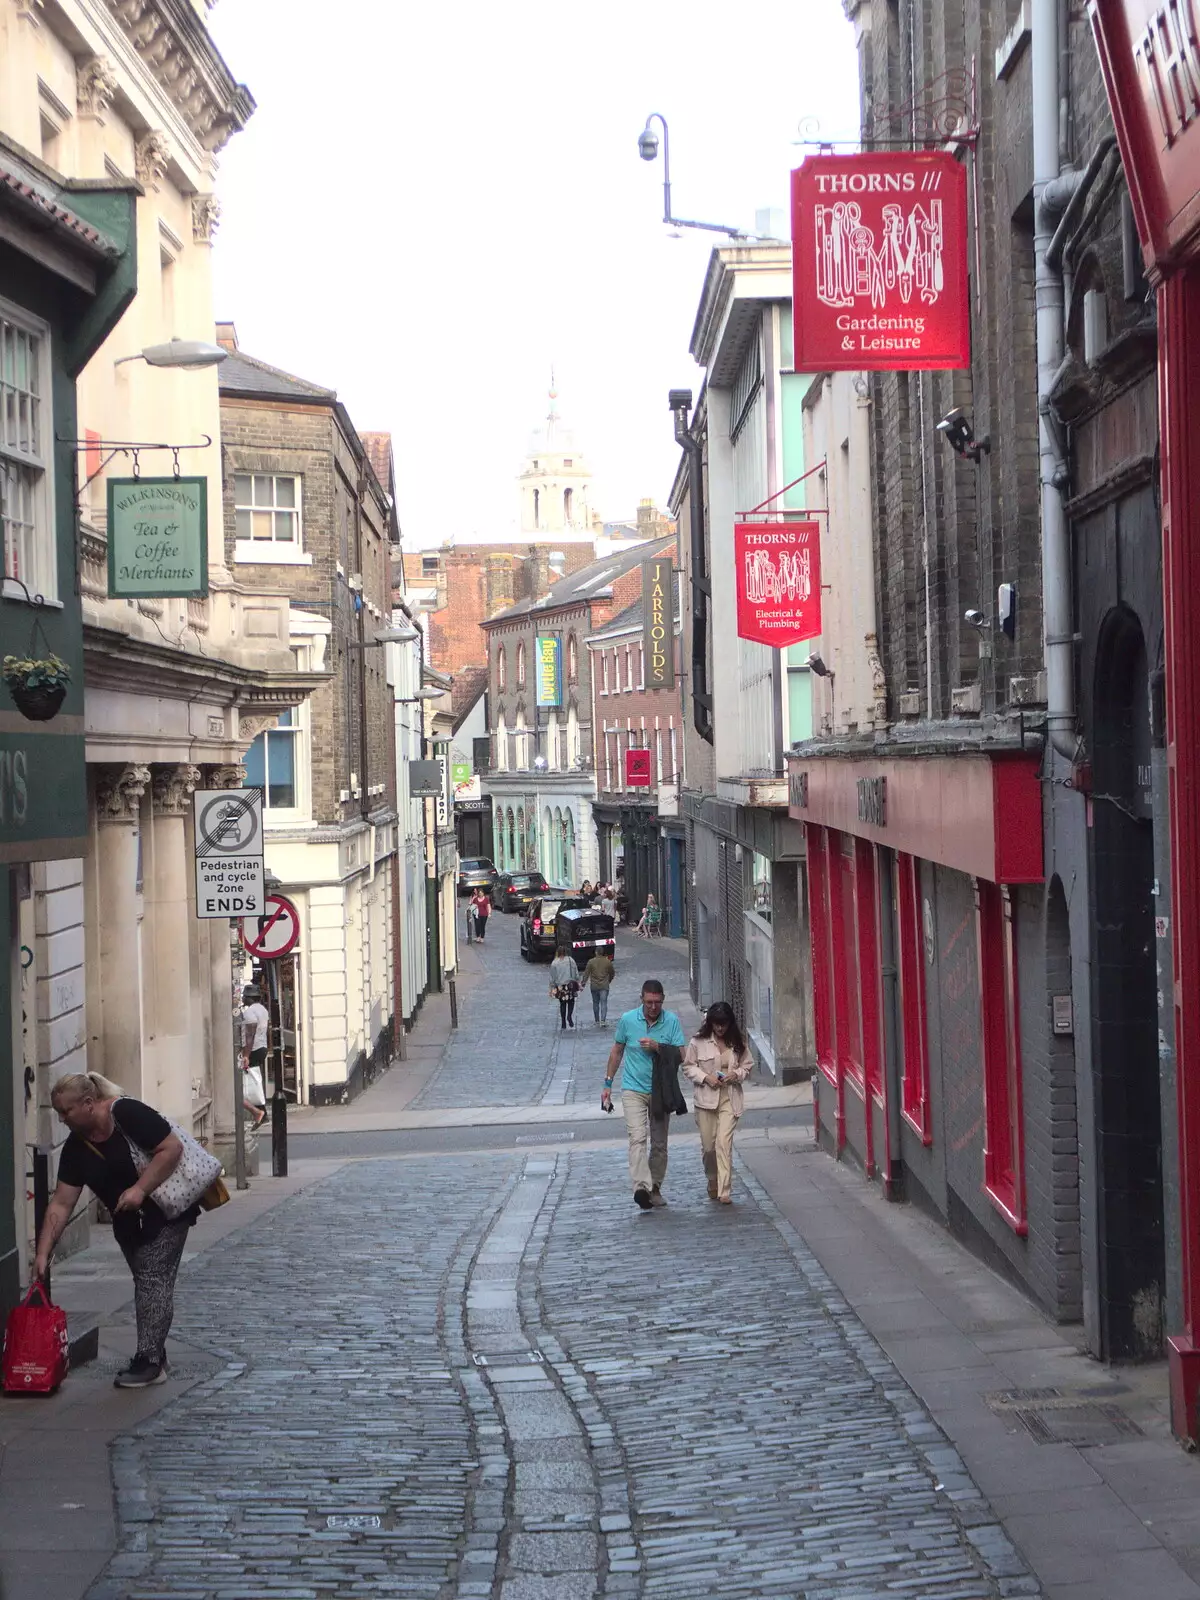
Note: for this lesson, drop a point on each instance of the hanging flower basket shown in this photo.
(38, 685)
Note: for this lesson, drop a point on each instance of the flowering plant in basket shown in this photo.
(38, 684)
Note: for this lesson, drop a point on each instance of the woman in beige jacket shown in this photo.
(718, 1063)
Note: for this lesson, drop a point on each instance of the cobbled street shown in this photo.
(489, 1375)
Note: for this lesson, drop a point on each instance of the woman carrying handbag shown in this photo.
(564, 985)
(153, 1178)
(718, 1063)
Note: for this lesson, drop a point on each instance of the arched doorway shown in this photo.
(1125, 1064)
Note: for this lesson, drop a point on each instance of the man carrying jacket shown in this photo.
(645, 1038)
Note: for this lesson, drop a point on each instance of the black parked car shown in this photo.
(476, 872)
(539, 933)
(586, 931)
(514, 890)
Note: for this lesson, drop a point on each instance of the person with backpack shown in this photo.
(109, 1131)
(564, 985)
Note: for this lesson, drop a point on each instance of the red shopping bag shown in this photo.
(35, 1345)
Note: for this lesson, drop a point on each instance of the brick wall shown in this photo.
(476, 581)
(509, 698)
(630, 717)
(344, 529)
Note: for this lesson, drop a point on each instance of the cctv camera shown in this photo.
(975, 618)
(817, 665)
(647, 144)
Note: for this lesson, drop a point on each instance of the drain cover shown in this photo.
(1053, 1416)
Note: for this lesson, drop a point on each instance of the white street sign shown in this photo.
(229, 852)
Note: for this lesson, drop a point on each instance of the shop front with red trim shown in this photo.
(1150, 57)
(927, 920)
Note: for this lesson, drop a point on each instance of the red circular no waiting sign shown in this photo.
(277, 930)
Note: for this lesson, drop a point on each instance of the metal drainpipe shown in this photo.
(701, 587)
(1052, 191)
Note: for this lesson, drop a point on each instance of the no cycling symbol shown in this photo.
(228, 825)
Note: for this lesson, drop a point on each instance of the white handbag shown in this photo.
(197, 1171)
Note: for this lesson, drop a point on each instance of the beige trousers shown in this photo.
(647, 1141)
(716, 1144)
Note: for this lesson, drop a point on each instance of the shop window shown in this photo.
(1004, 1153)
(845, 955)
(26, 449)
(821, 936)
(915, 1095)
(867, 998)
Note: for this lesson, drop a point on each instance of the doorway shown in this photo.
(1128, 1129)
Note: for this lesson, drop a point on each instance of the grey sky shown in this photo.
(435, 203)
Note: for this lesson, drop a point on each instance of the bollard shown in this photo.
(453, 1004)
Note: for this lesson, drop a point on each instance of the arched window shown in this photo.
(572, 660)
(537, 506)
(568, 495)
(604, 672)
(501, 668)
(501, 744)
(521, 664)
(512, 842)
(520, 858)
(572, 737)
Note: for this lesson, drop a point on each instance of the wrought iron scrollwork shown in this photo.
(943, 111)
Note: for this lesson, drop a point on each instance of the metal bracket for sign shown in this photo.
(945, 112)
(791, 511)
(128, 447)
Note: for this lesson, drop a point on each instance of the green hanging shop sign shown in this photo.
(157, 538)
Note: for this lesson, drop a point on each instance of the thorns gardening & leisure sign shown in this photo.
(879, 262)
(157, 538)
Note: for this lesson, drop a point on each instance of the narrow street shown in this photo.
(487, 1374)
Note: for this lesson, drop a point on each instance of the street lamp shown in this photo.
(189, 354)
(648, 150)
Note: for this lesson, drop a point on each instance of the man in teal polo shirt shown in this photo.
(639, 1034)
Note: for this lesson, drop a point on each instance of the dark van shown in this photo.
(586, 932)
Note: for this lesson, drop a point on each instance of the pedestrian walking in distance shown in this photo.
(481, 905)
(564, 985)
(105, 1124)
(598, 976)
(647, 1049)
(718, 1063)
(255, 1020)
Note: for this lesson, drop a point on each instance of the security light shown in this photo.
(958, 433)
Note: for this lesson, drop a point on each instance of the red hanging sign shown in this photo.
(637, 769)
(778, 581)
(879, 263)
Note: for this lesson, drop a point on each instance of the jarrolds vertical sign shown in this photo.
(1150, 54)
(879, 263)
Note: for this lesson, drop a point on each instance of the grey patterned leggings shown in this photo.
(154, 1266)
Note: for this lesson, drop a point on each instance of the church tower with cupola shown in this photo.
(555, 484)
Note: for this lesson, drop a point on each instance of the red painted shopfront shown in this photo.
(1150, 55)
(870, 826)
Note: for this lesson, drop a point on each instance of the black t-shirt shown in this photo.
(106, 1167)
